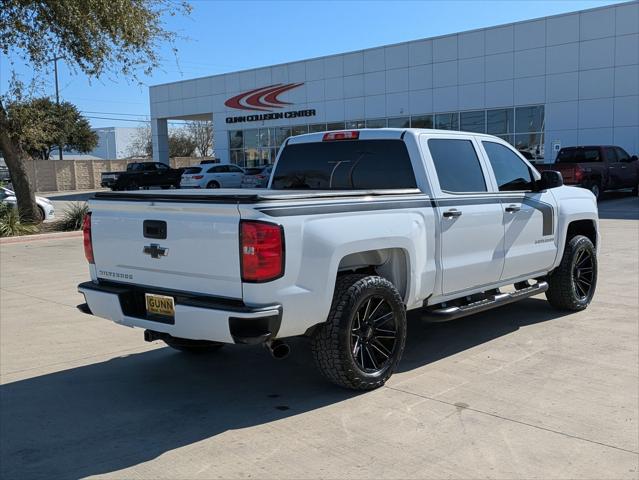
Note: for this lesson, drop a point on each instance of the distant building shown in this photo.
(113, 143)
(541, 84)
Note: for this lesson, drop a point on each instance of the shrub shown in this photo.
(72, 217)
(10, 224)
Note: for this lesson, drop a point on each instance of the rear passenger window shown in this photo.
(511, 172)
(610, 155)
(457, 165)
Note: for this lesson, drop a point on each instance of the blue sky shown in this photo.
(225, 36)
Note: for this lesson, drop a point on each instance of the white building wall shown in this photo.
(583, 66)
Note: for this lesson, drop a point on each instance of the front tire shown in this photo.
(572, 284)
(193, 346)
(363, 339)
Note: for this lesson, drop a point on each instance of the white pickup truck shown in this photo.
(354, 229)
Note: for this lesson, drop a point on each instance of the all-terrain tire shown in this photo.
(331, 341)
(563, 292)
(193, 346)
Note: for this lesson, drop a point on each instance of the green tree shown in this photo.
(96, 37)
(39, 124)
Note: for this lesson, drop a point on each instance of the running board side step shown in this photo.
(451, 313)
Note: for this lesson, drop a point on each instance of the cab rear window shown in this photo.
(345, 165)
(579, 155)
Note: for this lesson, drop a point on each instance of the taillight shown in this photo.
(348, 135)
(579, 174)
(197, 177)
(86, 234)
(261, 251)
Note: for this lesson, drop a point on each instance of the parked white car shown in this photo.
(47, 211)
(355, 228)
(212, 176)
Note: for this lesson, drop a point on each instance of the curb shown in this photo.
(40, 236)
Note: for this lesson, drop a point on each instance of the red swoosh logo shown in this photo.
(261, 99)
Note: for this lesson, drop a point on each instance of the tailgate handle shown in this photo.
(155, 229)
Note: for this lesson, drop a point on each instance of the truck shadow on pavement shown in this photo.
(111, 415)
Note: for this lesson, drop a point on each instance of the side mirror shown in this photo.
(550, 179)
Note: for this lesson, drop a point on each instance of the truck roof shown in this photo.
(381, 133)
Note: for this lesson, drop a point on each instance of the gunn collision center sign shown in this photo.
(265, 100)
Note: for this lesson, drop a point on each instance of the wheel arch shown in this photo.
(393, 264)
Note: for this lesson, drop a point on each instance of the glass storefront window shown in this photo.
(267, 137)
(473, 121)
(531, 145)
(499, 121)
(522, 127)
(317, 127)
(282, 133)
(235, 139)
(355, 124)
(421, 121)
(529, 119)
(237, 157)
(299, 130)
(251, 138)
(509, 138)
(399, 122)
(252, 157)
(376, 123)
(335, 126)
(447, 121)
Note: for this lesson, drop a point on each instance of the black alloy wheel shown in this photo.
(373, 335)
(571, 286)
(583, 273)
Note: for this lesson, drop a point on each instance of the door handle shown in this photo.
(513, 208)
(452, 213)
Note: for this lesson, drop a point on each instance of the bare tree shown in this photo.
(141, 144)
(202, 134)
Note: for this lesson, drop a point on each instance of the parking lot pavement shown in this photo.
(520, 392)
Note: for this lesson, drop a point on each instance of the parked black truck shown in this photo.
(142, 175)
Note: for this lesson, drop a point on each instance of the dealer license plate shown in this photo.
(159, 305)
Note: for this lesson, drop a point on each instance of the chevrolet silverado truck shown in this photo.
(598, 168)
(142, 175)
(355, 229)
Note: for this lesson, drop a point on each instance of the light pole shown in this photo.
(57, 99)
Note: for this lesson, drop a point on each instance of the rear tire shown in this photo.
(572, 284)
(132, 186)
(213, 184)
(595, 189)
(193, 346)
(363, 339)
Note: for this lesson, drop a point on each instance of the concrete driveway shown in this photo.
(520, 392)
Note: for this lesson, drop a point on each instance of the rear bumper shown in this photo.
(197, 317)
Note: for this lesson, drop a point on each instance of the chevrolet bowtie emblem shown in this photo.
(155, 250)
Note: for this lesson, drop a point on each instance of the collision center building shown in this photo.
(564, 80)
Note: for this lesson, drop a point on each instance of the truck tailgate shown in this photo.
(198, 253)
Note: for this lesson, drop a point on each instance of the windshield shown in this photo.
(345, 165)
